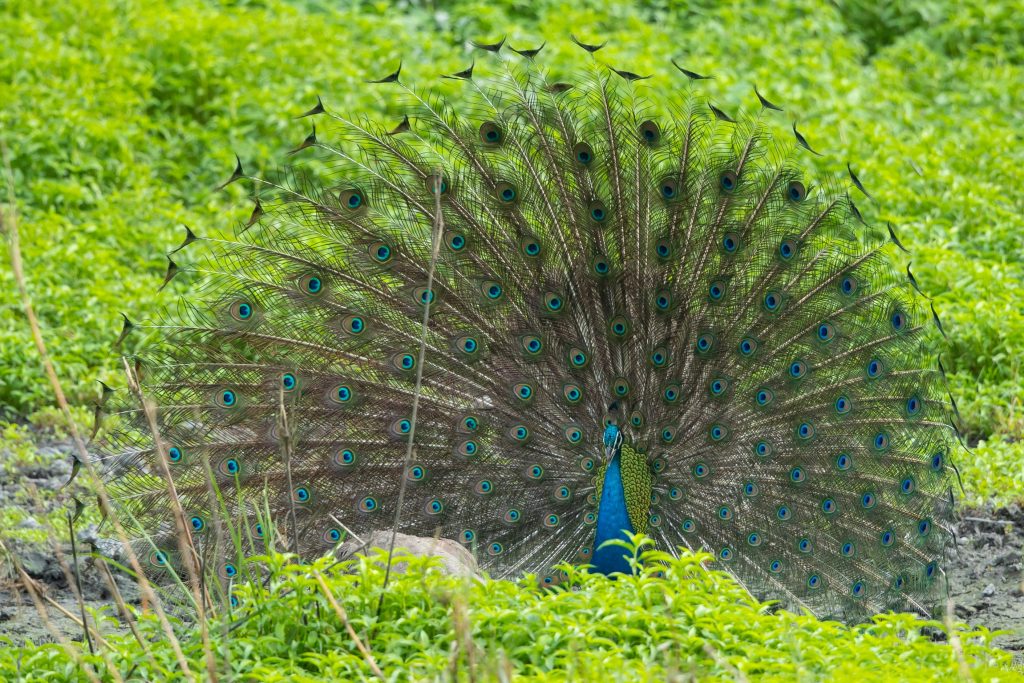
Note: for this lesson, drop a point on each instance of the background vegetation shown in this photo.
(122, 116)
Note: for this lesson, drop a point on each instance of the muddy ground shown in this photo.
(985, 574)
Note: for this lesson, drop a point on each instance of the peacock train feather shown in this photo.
(640, 315)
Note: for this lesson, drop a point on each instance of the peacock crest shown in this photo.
(486, 276)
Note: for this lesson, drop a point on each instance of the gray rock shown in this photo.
(455, 559)
(989, 591)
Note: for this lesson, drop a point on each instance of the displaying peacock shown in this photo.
(545, 313)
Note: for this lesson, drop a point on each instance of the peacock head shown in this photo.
(612, 441)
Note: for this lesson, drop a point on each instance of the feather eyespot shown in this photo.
(669, 188)
(197, 523)
(455, 241)
(353, 325)
(587, 464)
(843, 405)
(352, 199)
(748, 346)
(797, 369)
(531, 344)
(754, 539)
(913, 406)
(535, 472)
(484, 487)
(469, 424)
(762, 449)
(226, 398)
(619, 327)
(844, 462)
(772, 302)
(671, 393)
(573, 393)
(506, 193)
(301, 494)
(434, 506)
(898, 321)
(467, 345)
(848, 285)
(403, 362)
(907, 486)
(311, 284)
(597, 211)
(663, 249)
(663, 300)
(573, 434)
(492, 290)
(578, 358)
(718, 386)
(553, 302)
(788, 248)
(668, 434)
(288, 382)
(874, 368)
(242, 311)
(435, 182)
(650, 133)
(728, 181)
(520, 433)
(701, 470)
(731, 242)
(659, 357)
(637, 419)
(583, 154)
(523, 391)
(764, 396)
(495, 549)
(797, 476)
(332, 535)
(848, 549)
(175, 454)
(689, 526)
(229, 467)
(423, 296)
(795, 191)
(805, 431)
(491, 133)
(416, 473)
(717, 290)
(705, 343)
(826, 332)
(750, 489)
(551, 521)
(468, 448)
(512, 516)
(530, 246)
(600, 266)
(342, 394)
(346, 457)
(620, 386)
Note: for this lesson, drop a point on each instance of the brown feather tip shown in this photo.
(586, 46)
(172, 270)
(629, 75)
(490, 47)
(765, 104)
(692, 75)
(126, 327)
(310, 141)
(802, 141)
(401, 127)
(464, 75)
(720, 115)
(391, 77)
(529, 54)
(190, 237)
(318, 109)
(255, 216)
(238, 173)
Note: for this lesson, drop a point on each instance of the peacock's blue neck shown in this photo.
(612, 522)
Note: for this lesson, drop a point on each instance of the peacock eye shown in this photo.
(352, 199)
(728, 180)
(583, 154)
(598, 212)
(491, 133)
(795, 191)
(436, 183)
(506, 193)
(650, 133)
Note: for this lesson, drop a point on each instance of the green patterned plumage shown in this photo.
(571, 244)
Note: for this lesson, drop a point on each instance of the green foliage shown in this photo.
(120, 117)
(693, 624)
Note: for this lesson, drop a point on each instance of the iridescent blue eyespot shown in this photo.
(523, 391)
(923, 527)
(343, 394)
(805, 431)
(314, 285)
(288, 381)
(332, 535)
(689, 525)
(717, 432)
(784, 513)
(553, 302)
(828, 506)
(662, 249)
(572, 393)
(913, 406)
(435, 506)
(881, 441)
(662, 300)
(754, 539)
(718, 386)
(346, 457)
(197, 523)
(874, 368)
(416, 473)
(598, 213)
(848, 549)
(787, 249)
(826, 332)
(797, 475)
(512, 516)
(797, 369)
(668, 434)
(844, 462)
(229, 570)
(551, 521)
(724, 513)
(601, 266)
(700, 470)
(775, 567)
(174, 454)
(887, 538)
(158, 558)
(936, 463)
(858, 589)
(750, 489)
(728, 181)
(843, 405)
(484, 487)
(404, 426)
(468, 536)
(867, 501)
(243, 311)
(227, 398)
(456, 242)
(813, 581)
(898, 582)
(507, 194)
(301, 494)
(535, 472)
(470, 424)
(725, 554)
(671, 393)
(730, 243)
(717, 290)
(573, 435)
(493, 291)
(848, 286)
(495, 548)
(659, 357)
(898, 320)
(748, 346)
(705, 343)
(229, 467)
(930, 570)
(772, 301)
(762, 449)
(382, 253)
(804, 545)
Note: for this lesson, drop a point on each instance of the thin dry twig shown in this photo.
(343, 615)
(9, 224)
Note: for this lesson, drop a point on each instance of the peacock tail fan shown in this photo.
(613, 240)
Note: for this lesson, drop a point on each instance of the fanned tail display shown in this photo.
(640, 315)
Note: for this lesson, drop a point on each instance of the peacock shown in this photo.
(538, 315)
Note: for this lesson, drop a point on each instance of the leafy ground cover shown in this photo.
(696, 624)
(120, 117)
